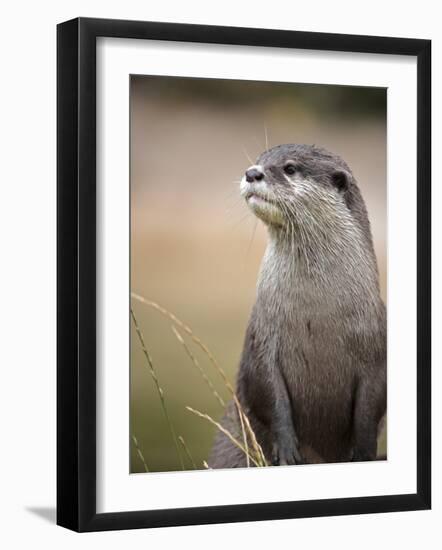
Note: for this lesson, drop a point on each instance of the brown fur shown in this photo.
(312, 376)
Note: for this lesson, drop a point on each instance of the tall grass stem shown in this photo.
(214, 362)
(224, 431)
(140, 454)
(198, 366)
(187, 451)
(158, 387)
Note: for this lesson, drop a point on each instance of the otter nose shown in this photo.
(253, 174)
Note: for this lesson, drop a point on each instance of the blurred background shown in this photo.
(195, 247)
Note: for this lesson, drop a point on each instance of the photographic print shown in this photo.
(223, 252)
(258, 274)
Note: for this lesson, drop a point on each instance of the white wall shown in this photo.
(27, 288)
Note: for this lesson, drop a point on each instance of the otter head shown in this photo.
(302, 187)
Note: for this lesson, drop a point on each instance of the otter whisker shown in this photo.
(247, 155)
(251, 239)
(266, 137)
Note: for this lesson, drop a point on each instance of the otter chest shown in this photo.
(303, 328)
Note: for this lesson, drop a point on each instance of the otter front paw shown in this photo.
(286, 453)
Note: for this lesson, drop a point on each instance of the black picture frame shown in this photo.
(76, 273)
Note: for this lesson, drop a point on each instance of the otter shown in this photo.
(312, 374)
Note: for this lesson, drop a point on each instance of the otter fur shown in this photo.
(312, 375)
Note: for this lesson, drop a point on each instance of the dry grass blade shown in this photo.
(189, 331)
(198, 366)
(157, 384)
(186, 450)
(244, 437)
(224, 431)
(256, 445)
(214, 362)
(140, 454)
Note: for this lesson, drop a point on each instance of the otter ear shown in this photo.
(341, 180)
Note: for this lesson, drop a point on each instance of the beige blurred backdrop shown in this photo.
(195, 248)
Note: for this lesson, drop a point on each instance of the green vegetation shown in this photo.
(248, 444)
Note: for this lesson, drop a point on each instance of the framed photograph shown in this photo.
(243, 274)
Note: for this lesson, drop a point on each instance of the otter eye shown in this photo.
(290, 169)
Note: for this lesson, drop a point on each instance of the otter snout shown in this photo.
(254, 174)
(259, 197)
